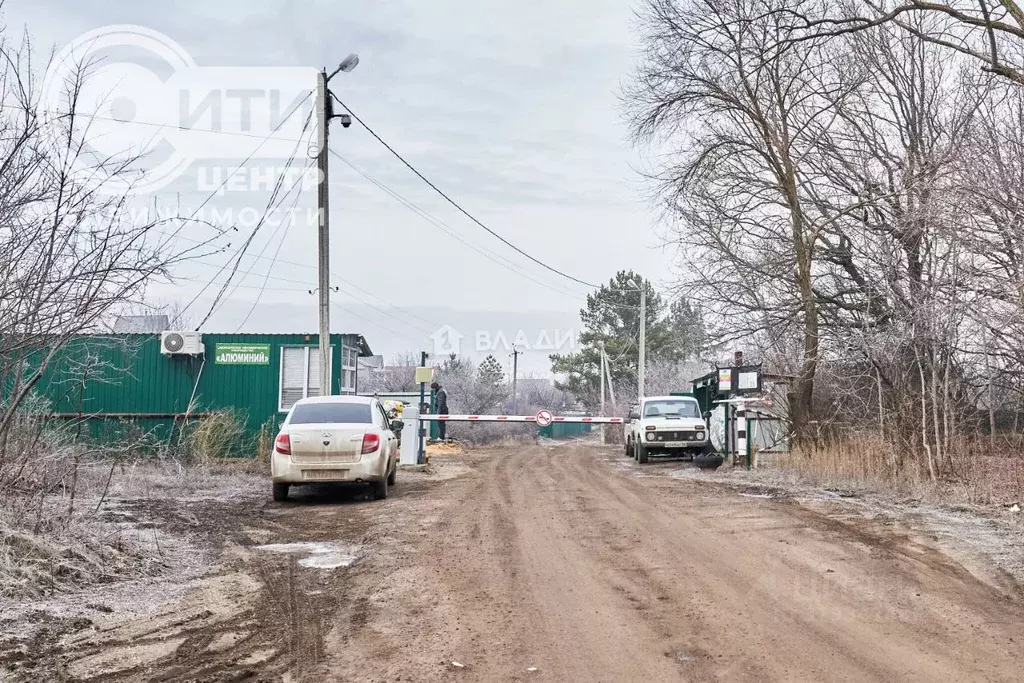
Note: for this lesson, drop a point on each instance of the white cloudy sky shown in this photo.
(511, 107)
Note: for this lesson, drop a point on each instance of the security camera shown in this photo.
(346, 120)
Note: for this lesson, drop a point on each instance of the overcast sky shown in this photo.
(510, 107)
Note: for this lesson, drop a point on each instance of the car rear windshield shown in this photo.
(323, 413)
(671, 409)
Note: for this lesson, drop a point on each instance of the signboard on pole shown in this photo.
(724, 379)
(424, 375)
(241, 354)
(748, 380)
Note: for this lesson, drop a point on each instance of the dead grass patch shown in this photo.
(968, 473)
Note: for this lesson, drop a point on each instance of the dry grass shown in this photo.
(55, 495)
(58, 552)
(967, 474)
(216, 437)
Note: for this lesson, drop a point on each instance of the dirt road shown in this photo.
(564, 563)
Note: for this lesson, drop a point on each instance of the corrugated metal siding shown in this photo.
(128, 374)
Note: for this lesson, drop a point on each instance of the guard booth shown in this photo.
(749, 410)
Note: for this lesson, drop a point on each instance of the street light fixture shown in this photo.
(347, 64)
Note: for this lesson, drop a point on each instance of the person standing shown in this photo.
(441, 403)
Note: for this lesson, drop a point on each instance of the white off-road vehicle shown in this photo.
(667, 425)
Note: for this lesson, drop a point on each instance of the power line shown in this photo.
(154, 124)
(228, 178)
(448, 230)
(277, 252)
(376, 324)
(245, 245)
(453, 202)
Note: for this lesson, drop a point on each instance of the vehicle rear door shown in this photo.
(327, 432)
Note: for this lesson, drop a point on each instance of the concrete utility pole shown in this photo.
(611, 386)
(642, 361)
(323, 246)
(515, 376)
(423, 409)
(324, 114)
(602, 378)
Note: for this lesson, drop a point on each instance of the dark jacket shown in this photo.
(441, 401)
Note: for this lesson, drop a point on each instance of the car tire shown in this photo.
(393, 477)
(380, 489)
(280, 492)
(629, 447)
(641, 454)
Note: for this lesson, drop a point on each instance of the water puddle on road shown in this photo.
(319, 555)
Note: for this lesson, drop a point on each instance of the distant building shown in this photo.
(141, 324)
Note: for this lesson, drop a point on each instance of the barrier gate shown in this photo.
(543, 418)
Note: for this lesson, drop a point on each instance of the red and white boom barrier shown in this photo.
(543, 418)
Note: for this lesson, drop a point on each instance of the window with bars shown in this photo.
(300, 374)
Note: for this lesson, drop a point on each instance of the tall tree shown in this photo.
(612, 317)
(742, 113)
(490, 373)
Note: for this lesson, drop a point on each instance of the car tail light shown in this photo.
(283, 445)
(371, 442)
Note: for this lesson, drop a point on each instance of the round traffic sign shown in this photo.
(543, 418)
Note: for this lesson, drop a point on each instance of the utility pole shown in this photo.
(423, 409)
(642, 361)
(323, 242)
(324, 114)
(602, 378)
(611, 386)
(515, 376)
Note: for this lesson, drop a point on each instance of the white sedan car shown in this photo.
(336, 439)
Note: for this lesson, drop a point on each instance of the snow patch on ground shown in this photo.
(319, 555)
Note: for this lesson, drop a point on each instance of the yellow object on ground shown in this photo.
(446, 448)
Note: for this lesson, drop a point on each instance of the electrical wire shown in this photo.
(277, 252)
(228, 178)
(447, 229)
(374, 323)
(456, 204)
(306, 283)
(245, 245)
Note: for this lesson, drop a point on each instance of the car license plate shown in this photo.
(324, 474)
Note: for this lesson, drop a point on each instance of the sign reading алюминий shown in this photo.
(242, 354)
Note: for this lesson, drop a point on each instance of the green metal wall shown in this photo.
(127, 374)
(564, 430)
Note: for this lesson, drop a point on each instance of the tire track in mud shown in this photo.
(575, 563)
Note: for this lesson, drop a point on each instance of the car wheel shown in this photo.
(380, 489)
(393, 477)
(629, 447)
(641, 454)
(280, 492)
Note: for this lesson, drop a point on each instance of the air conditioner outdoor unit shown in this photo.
(181, 343)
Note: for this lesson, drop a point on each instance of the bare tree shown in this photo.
(990, 32)
(744, 118)
(70, 254)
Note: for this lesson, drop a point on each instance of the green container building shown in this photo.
(112, 385)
